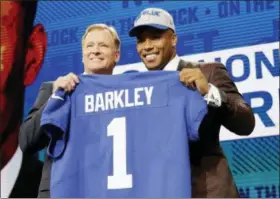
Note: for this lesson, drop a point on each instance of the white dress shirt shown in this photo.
(10, 173)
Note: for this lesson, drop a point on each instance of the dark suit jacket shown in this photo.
(211, 176)
(26, 185)
(32, 139)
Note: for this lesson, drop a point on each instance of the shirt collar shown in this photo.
(173, 64)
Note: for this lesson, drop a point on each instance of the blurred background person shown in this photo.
(23, 48)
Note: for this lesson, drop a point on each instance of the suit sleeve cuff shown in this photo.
(213, 97)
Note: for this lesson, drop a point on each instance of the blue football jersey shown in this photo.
(123, 136)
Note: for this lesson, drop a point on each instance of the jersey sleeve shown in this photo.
(196, 109)
(55, 120)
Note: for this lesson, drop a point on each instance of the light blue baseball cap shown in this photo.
(153, 17)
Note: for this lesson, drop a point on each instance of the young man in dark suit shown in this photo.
(101, 52)
(154, 30)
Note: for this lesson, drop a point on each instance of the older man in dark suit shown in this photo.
(154, 30)
(97, 59)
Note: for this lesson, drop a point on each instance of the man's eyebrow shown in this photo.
(89, 42)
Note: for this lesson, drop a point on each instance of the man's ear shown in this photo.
(117, 56)
(174, 40)
(35, 53)
(83, 57)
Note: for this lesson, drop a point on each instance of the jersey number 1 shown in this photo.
(120, 179)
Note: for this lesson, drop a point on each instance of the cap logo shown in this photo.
(151, 12)
(145, 15)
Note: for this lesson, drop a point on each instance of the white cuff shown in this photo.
(213, 97)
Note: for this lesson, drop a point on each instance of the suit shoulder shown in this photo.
(211, 65)
(47, 85)
(192, 64)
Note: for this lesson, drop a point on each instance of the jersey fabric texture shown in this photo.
(123, 136)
